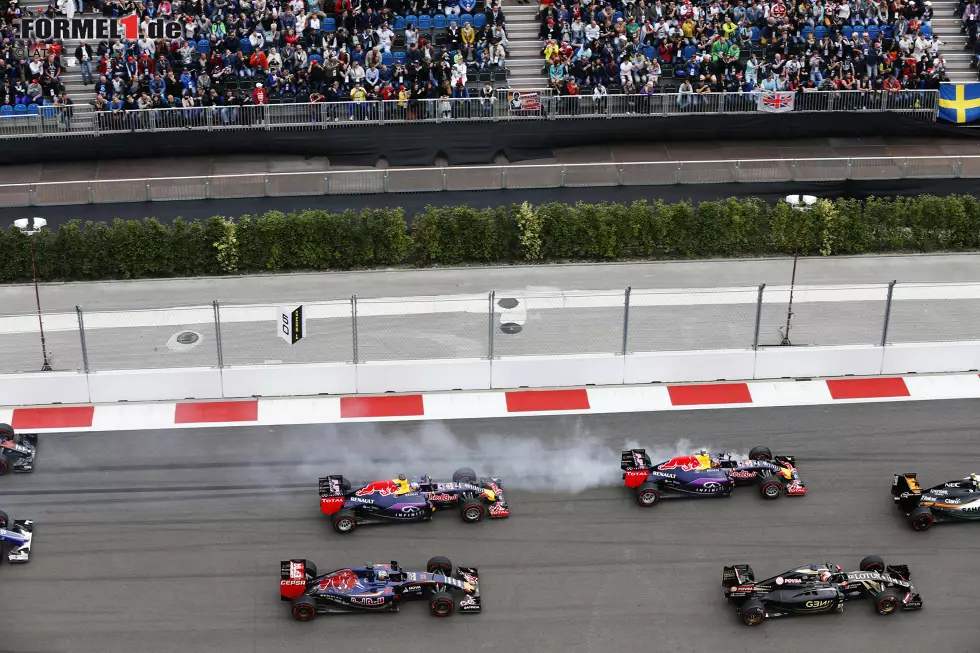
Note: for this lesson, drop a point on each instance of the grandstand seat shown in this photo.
(820, 32)
(441, 39)
(6, 111)
(873, 32)
(288, 98)
(617, 16)
(328, 25)
(466, 19)
(399, 23)
(425, 21)
(479, 20)
(203, 47)
(439, 22)
(247, 84)
(274, 100)
(387, 59)
(887, 32)
(49, 110)
(400, 57)
(484, 76)
(688, 52)
(858, 29)
(847, 31)
(33, 110)
(500, 76)
(20, 110)
(756, 34)
(666, 72)
(680, 72)
(453, 19)
(232, 85)
(412, 20)
(245, 45)
(926, 30)
(806, 31)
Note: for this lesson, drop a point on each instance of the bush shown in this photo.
(320, 240)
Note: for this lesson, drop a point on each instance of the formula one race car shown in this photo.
(18, 533)
(17, 450)
(710, 475)
(378, 588)
(410, 498)
(953, 500)
(819, 588)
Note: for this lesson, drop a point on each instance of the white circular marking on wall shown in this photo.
(184, 341)
(513, 314)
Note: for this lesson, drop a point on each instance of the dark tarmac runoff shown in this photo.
(170, 541)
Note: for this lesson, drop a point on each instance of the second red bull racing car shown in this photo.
(710, 475)
(411, 499)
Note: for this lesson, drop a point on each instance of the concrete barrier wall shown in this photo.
(479, 374)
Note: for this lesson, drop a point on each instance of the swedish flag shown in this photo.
(959, 102)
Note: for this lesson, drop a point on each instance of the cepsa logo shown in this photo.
(98, 29)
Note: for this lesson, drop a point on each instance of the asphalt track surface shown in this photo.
(171, 541)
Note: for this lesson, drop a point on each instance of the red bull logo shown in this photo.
(685, 463)
(384, 488)
(341, 581)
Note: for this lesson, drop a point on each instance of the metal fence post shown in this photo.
(353, 317)
(81, 336)
(758, 317)
(217, 334)
(888, 312)
(492, 298)
(31, 195)
(626, 317)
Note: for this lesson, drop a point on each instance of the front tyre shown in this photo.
(753, 613)
(921, 518)
(647, 495)
(887, 602)
(441, 604)
(304, 609)
(760, 453)
(344, 522)
(464, 475)
(4, 464)
(771, 489)
(439, 565)
(4, 520)
(873, 563)
(472, 511)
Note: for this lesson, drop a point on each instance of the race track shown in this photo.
(161, 541)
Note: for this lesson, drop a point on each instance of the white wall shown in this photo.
(289, 380)
(679, 366)
(153, 385)
(556, 371)
(809, 362)
(378, 377)
(43, 388)
(931, 357)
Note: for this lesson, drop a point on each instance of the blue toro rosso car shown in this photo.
(378, 588)
(18, 534)
(410, 499)
(709, 475)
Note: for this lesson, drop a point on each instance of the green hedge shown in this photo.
(318, 240)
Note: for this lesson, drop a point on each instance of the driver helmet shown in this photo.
(381, 574)
(825, 576)
(402, 477)
(414, 487)
(975, 478)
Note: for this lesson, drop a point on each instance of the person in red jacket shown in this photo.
(259, 95)
(259, 61)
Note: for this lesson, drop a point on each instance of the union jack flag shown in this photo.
(776, 102)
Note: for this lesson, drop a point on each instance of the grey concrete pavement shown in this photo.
(258, 289)
(170, 542)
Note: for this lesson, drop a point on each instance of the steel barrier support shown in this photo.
(758, 317)
(217, 334)
(492, 298)
(81, 336)
(888, 312)
(626, 319)
(353, 317)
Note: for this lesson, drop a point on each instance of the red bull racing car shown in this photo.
(410, 499)
(819, 588)
(17, 450)
(378, 588)
(710, 475)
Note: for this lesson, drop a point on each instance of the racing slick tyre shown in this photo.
(873, 563)
(4, 464)
(464, 475)
(472, 511)
(760, 453)
(441, 604)
(304, 608)
(439, 565)
(771, 489)
(753, 613)
(887, 602)
(921, 518)
(4, 519)
(344, 521)
(647, 495)
(6, 430)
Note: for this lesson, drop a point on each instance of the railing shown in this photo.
(415, 180)
(83, 120)
(495, 325)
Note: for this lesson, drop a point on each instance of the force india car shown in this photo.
(378, 588)
(17, 450)
(819, 588)
(953, 500)
(18, 533)
(710, 475)
(410, 499)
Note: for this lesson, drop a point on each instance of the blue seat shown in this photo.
(387, 59)
(328, 25)
(399, 23)
(480, 20)
(926, 30)
(425, 22)
(6, 111)
(688, 52)
(400, 57)
(20, 109)
(756, 34)
(453, 20)
(820, 32)
(203, 47)
(439, 22)
(873, 32)
(806, 31)
(887, 32)
(847, 31)
(466, 19)
(412, 20)
(245, 45)
(617, 16)
(33, 110)
(650, 52)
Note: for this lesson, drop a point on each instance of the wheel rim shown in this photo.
(473, 514)
(886, 606)
(922, 522)
(442, 609)
(304, 612)
(648, 498)
(345, 524)
(772, 491)
(753, 617)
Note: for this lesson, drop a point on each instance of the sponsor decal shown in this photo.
(367, 601)
(412, 588)
(742, 588)
(469, 578)
(956, 484)
(738, 473)
(795, 488)
(685, 463)
(793, 581)
(297, 570)
(361, 500)
(817, 604)
(294, 582)
(493, 486)
(498, 510)
(663, 474)
(341, 581)
(94, 28)
(443, 497)
(468, 601)
(410, 576)
(942, 492)
(951, 501)
(864, 575)
(779, 580)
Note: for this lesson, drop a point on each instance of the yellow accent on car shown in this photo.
(490, 495)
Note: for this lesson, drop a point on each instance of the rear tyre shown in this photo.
(771, 489)
(4, 519)
(760, 453)
(887, 602)
(439, 565)
(6, 431)
(921, 518)
(344, 521)
(753, 612)
(464, 475)
(4, 464)
(873, 563)
(647, 495)
(472, 511)
(441, 604)
(304, 609)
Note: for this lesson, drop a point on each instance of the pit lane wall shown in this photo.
(45, 388)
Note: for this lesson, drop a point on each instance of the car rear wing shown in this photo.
(293, 578)
(472, 601)
(736, 575)
(905, 484)
(636, 459)
(333, 486)
(20, 536)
